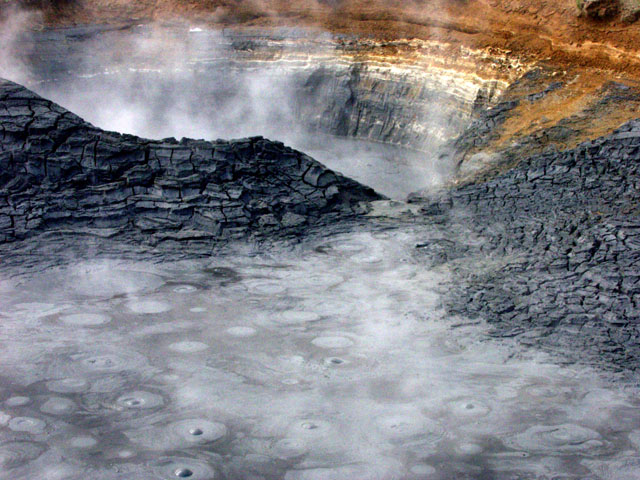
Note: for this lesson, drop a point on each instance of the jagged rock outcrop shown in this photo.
(539, 112)
(599, 8)
(559, 257)
(59, 173)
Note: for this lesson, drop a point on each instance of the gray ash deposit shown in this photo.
(558, 260)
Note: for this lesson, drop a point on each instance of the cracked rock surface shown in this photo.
(558, 260)
(60, 174)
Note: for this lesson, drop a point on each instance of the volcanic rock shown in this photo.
(600, 8)
(58, 173)
(558, 250)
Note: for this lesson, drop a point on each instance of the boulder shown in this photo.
(599, 9)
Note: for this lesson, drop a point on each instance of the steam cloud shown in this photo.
(157, 82)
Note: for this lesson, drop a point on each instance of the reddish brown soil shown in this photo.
(533, 29)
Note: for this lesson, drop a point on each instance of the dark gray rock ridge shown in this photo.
(558, 261)
(59, 173)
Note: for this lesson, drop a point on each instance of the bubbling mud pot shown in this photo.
(330, 360)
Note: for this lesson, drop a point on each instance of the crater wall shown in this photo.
(279, 84)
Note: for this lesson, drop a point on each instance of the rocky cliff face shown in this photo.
(417, 108)
(595, 33)
(60, 174)
(413, 94)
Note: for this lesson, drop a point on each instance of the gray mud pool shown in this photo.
(331, 360)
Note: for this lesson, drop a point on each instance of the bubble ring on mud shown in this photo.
(293, 317)
(89, 363)
(83, 442)
(558, 439)
(318, 280)
(68, 385)
(105, 363)
(288, 448)
(177, 435)
(188, 346)
(148, 306)
(467, 407)
(85, 319)
(58, 406)
(265, 287)
(309, 428)
(17, 401)
(27, 424)
(422, 469)
(17, 454)
(547, 391)
(183, 467)
(140, 400)
(366, 258)
(241, 331)
(198, 430)
(184, 288)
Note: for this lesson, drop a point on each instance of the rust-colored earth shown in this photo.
(535, 30)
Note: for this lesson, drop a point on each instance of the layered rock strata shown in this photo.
(61, 174)
(414, 93)
(545, 109)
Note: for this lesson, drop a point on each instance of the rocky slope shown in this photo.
(558, 265)
(60, 174)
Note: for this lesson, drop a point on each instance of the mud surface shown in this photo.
(330, 359)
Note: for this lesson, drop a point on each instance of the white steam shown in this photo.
(157, 82)
(14, 25)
